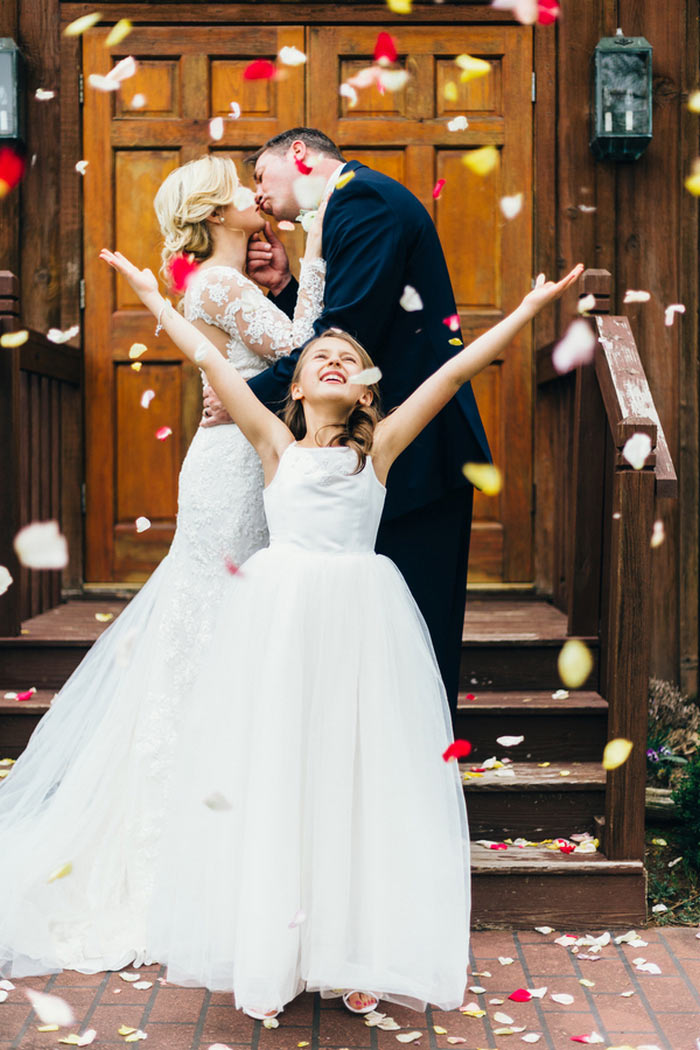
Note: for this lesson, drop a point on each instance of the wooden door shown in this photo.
(187, 77)
(405, 135)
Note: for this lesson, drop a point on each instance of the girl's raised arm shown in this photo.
(398, 430)
(265, 431)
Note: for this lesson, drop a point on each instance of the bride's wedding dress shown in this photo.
(82, 810)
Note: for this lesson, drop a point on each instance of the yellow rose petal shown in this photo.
(692, 184)
(439, 1030)
(616, 752)
(11, 340)
(399, 7)
(694, 101)
(47, 1028)
(575, 663)
(564, 773)
(104, 617)
(543, 765)
(455, 342)
(60, 873)
(136, 350)
(484, 476)
(125, 1030)
(344, 179)
(472, 67)
(81, 24)
(481, 161)
(450, 91)
(118, 32)
(136, 366)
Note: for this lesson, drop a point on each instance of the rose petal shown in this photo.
(5, 579)
(574, 663)
(511, 206)
(385, 49)
(532, 1037)
(437, 188)
(80, 25)
(11, 340)
(41, 546)
(671, 311)
(60, 873)
(410, 299)
(291, 56)
(502, 1018)
(458, 124)
(577, 347)
(472, 68)
(243, 198)
(509, 741)
(520, 995)
(163, 432)
(616, 753)
(259, 69)
(298, 919)
(348, 91)
(632, 296)
(393, 79)
(309, 190)
(562, 998)
(457, 749)
(42, 95)
(138, 101)
(142, 524)
(118, 32)
(181, 270)
(301, 167)
(367, 377)
(484, 476)
(50, 1009)
(146, 398)
(100, 83)
(55, 335)
(399, 7)
(547, 12)
(481, 161)
(452, 322)
(409, 1037)
(216, 128)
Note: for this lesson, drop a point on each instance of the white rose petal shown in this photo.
(671, 311)
(367, 377)
(50, 1009)
(216, 128)
(502, 1018)
(308, 191)
(458, 124)
(348, 91)
(587, 209)
(538, 993)
(217, 801)
(138, 101)
(81, 166)
(5, 579)
(659, 909)
(102, 83)
(146, 398)
(410, 300)
(298, 919)
(55, 335)
(41, 95)
(511, 206)
(575, 348)
(505, 960)
(586, 302)
(632, 296)
(409, 1037)
(243, 198)
(142, 524)
(563, 999)
(648, 967)
(545, 929)
(636, 450)
(235, 110)
(509, 741)
(532, 1037)
(393, 79)
(291, 56)
(142, 985)
(41, 546)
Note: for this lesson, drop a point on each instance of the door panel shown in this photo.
(188, 78)
(405, 135)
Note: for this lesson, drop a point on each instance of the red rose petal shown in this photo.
(452, 322)
(163, 432)
(437, 188)
(520, 995)
(181, 270)
(547, 12)
(568, 848)
(385, 49)
(231, 566)
(498, 845)
(27, 695)
(260, 69)
(12, 167)
(457, 749)
(303, 168)
(470, 696)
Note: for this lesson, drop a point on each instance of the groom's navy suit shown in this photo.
(378, 238)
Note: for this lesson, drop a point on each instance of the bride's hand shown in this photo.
(546, 292)
(142, 281)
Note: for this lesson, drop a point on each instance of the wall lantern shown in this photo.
(12, 93)
(621, 97)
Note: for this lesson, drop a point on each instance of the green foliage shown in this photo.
(686, 796)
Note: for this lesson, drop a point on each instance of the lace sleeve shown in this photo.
(223, 297)
(312, 283)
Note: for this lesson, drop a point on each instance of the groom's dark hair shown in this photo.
(313, 138)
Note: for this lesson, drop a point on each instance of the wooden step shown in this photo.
(52, 645)
(19, 719)
(535, 802)
(571, 729)
(514, 644)
(534, 887)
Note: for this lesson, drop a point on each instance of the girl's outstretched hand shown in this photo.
(142, 281)
(546, 292)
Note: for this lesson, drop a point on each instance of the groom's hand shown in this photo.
(267, 261)
(213, 412)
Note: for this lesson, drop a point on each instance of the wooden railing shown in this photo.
(603, 543)
(39, 406)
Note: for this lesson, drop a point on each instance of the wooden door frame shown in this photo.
(453, 14)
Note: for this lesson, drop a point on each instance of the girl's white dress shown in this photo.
(92, 787)
(316, 838)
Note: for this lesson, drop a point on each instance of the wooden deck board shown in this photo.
(518, 619)
(72, 621)
(530, 776)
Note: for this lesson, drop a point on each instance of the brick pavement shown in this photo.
(663, 1012)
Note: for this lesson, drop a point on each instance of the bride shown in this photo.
(81, 812)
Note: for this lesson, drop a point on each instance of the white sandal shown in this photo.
(363, 1009)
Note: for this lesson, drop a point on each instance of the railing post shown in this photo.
(627, 639)
(588, 482)
(11, 601)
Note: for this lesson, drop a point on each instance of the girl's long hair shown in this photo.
(184, 201)
(357, 432)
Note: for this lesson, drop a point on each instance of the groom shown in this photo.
(377, 239)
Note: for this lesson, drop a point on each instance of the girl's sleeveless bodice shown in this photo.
(315, 502)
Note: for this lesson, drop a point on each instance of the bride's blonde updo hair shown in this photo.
(185, 200)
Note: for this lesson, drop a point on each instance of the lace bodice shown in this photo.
(317, 503)
(259, 332)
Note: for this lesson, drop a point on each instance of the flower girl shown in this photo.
(317, 840)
